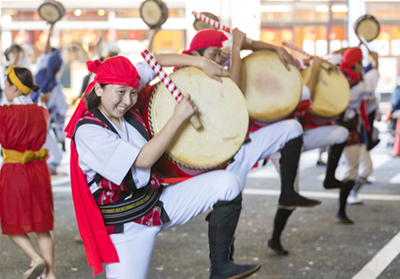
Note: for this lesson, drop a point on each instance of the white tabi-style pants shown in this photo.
(182, 201)
(264, 142)
(316, 138)
(358, 162)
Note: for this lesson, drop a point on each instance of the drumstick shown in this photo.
(296, 48)
(216, 24)
(194, 119)
(364, 42)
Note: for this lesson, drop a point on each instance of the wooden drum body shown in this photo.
(368, 27)
(51, 11)
(223, 114)
(332, 94)
(271, 91)
(154, 13)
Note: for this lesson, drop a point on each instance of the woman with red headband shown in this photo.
(25, 185)
(356, 119)
(120, 201)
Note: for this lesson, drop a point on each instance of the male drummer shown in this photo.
(359, 115)
(285, 136)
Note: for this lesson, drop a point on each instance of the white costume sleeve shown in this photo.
(364, 89)
(102, 151)
(146, 74)
(57, 102)
(305, 93)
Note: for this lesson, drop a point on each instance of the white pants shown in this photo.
(316, 138)
(358, 162)
(264, 142)
(182, 201)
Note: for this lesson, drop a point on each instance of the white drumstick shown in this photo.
(194, 119)
(216, 24)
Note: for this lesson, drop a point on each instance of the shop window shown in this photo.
(387, 43)
(311, 12)
(86, 15)
(312, 39)
(384, 10)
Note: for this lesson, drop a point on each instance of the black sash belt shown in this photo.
(132, 208)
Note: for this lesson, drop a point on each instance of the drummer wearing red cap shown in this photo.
(284, 135)
(120, 201)
(359, 116)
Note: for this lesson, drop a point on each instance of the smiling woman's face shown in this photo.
(116, 100)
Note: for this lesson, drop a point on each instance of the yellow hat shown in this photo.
(15, 80)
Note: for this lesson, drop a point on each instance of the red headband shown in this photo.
(351, 57)
(206, 38)
(115, 70)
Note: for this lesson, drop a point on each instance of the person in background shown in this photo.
(26, 198)
(52, 96)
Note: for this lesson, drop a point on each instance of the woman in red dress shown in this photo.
(26, 198)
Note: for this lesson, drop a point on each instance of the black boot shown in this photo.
(334, 153)
(290, 155)
(221, 229)
(341, 216)
(281, 217)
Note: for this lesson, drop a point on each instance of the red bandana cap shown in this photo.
(351, 57)
(115, 70)
(206, 38)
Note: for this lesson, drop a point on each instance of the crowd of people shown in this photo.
(122, 202)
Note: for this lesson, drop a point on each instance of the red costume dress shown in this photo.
(26, 198)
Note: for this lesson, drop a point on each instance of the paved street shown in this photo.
(319, 248)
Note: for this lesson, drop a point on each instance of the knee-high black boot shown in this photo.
(334, 153)
(221, 229)
(341, 216)
(281, 217)
(290, 156)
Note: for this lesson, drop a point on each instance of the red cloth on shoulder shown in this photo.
(98, 246)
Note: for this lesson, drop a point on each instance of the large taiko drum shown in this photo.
(368, 27)
(223, 114)
(331, 96)
(271, 91)
(51, 11)
(154, 13)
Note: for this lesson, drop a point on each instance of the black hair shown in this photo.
(26, 78)
(91, 99)
(10, 49)
(200, 51)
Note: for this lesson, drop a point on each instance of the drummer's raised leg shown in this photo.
(286, 136)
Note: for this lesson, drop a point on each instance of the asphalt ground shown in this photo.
(318, 246)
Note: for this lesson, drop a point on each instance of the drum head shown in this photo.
(154, 13)
(271, 91)
(222, 112)
(368, 27)
(332, 93)
(51, 11)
